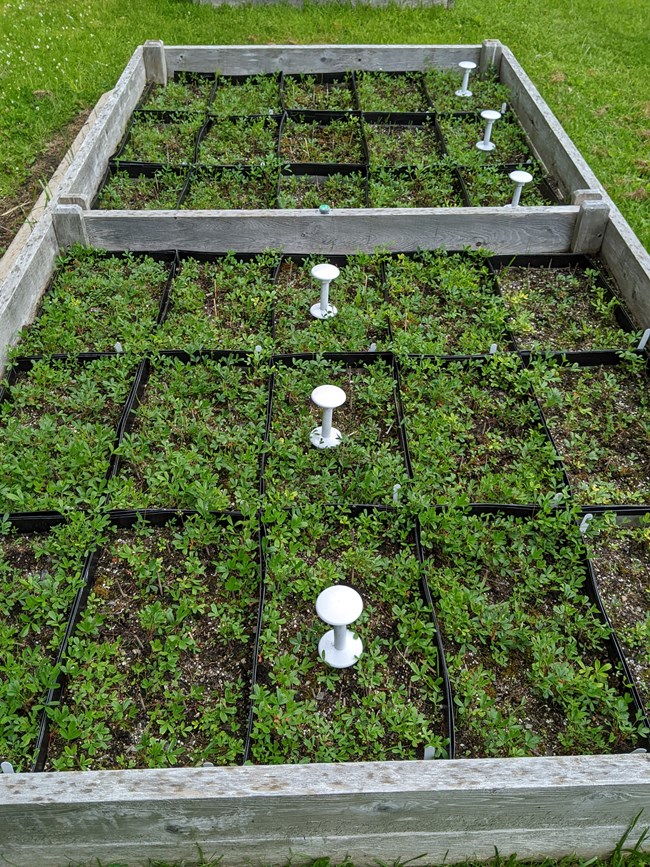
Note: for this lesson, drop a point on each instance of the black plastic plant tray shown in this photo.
(350, 514)
(179, 77)
(273, 123)
(608, 644)
(127, 520)
(233, 358)
(323, 119)
(411, 173)
(539, 183)
(40, 524)
(476, 361)
(316, 173)
(319, 79)
(567, 261)
(240, 175)
(227, 81)
(629, 514)
(350, 360)
(394, 123)
(491, 157)
(164, 118)
(136, 170)
(416, 77)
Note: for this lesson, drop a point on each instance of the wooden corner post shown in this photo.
(490, 56)
(69, 225)
(591, 221)
(155, 64)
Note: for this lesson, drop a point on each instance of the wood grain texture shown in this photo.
(155, 65)
(89, 164)
(519, 230)
(247, 59)
(590, 226)
(368, 810)
(69, 226)
(629, 262)
(490, 56)
(21, 290)
(551, 143)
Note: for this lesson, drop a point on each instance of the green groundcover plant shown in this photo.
(369, 461)
(308, 92)
(382, 91)
(196, 439)
(389, 704)
(95, 301)
(256, 94)
(159, 192)
(186, 92)
(529, 669)
(40, 574)
(620, 552)
(153, 139)
(158, 672)
(58, 434)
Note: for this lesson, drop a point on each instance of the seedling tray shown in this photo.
(321, 92)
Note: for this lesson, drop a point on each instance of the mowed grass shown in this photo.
(588, 59)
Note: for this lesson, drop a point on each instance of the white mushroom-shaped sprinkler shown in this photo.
(519, 179)
(324, 274)
(489, 117)
(339, 606)
(328, 397)
(467, 66)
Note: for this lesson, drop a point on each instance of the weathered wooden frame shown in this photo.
(449, 810)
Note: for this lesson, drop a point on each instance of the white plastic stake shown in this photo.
(429, 753)
(7, 768)
(373, 347)
(584, 524)
(493, 349)
(328, 397)
(324, 273)
(489, 117)
(339, 606)
(467, 66)
(504, 108)
(118, 347)
(644, 339)
(396, 489)
(519, 179)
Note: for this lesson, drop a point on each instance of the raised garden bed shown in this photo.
(531, 800)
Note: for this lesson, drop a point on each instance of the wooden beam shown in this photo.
(629, 262)
(501, 230)
(551, 143)
(248, 60)
(437, 810)
(590, 226)
(89, 164)
(155, 66)
(69, 225)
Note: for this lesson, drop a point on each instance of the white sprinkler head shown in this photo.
(324, 273)
(328, 397)
(467, 66)
(519, 179)
(490, 117)
(339, 606)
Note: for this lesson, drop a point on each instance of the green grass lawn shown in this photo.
(588, 59)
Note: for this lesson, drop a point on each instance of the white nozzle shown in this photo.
(324, 274)
(328, 397)
(489, 117)
(339, 606)
(519, 179)
(467, 66)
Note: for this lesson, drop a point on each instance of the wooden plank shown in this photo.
(388, 810)
(553, 146)
(69, 225)
(155, 65)
(629, 264)
(502, 230)
(490, 56)
(89, 165)
(590, 226)
(248, 60)
(21, 290)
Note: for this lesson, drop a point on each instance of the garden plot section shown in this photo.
(195, 435)
(158, 672)
(41, 565)
(220, 302)
(619, 548)
(597, 412)
(531, 665)
(562, 304)
(59, 423)
(96, 300)
(475, 432)
(361, 320)
(444, 304)
(370, 459)
(391, 703)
